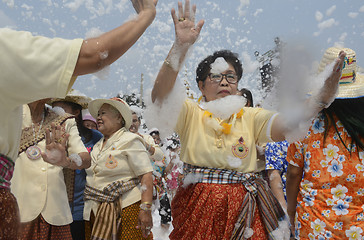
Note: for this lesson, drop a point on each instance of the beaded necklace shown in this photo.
(34, 152)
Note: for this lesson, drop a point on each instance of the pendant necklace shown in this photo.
(34, 152)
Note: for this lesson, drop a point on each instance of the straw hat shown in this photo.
(351, 84)
(117, 103)
(74, 96)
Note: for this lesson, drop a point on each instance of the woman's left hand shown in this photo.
(331, 84)
(145, 222)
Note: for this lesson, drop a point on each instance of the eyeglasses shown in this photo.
(217, 77)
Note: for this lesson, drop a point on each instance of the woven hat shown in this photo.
(351, 84)
(117, 103)
(74, 96)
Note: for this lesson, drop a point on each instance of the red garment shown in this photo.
(40, 229)
(210, 211)
(9, 215)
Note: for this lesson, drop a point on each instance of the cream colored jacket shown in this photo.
(39, 186)
(122, 158)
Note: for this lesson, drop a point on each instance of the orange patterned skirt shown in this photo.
(210, 211)
(129, 222)
(9, 215)
(40, 229)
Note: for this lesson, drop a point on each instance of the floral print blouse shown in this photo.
(330, 203)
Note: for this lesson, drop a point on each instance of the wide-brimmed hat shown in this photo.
(74, 96)
(351, 84)
(117, 103)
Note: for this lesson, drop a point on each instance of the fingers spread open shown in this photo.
(187, 10)
(180, 10)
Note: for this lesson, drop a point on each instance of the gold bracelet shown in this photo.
(147, 203)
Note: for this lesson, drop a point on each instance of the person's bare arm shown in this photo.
(145, 221)
(86, 161)
(315, 104)
(186, 34)
(96, 53)
(294, 177)
(275, 183)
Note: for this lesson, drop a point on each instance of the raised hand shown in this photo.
(140, 5)
(331, 84)
(55, 153)
(185, 29)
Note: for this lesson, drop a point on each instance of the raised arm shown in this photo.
(96, 53)
(281, 128)
(186, 33)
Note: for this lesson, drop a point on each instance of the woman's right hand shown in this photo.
(186, 30)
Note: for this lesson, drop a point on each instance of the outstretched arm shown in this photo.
(96, 53)
(186, 34)
(314, 105)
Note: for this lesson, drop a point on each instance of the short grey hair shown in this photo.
(117, 114)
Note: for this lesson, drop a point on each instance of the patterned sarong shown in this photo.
(40, 229)
(257, 192)
(9, 215)
(6, 171)
(108, 219)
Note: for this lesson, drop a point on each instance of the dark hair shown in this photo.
(350, 112)
(203, 68)
(83, 131)
(248, 95)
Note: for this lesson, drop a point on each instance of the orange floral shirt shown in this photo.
(330, 203)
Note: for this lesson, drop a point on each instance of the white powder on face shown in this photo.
(219, 66)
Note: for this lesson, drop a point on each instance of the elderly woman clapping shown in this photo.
(118, 193)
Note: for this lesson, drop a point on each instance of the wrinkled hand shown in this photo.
(331, 84)
(186, 30)
(56, 139)
(145, 222)
(144, 5)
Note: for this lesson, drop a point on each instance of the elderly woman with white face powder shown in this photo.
(228, 199)
(118, 193)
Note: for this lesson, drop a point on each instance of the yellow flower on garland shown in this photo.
(240, 113)
(207, 114)
(226, 128)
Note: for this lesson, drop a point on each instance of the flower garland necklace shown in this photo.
(220, 127)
